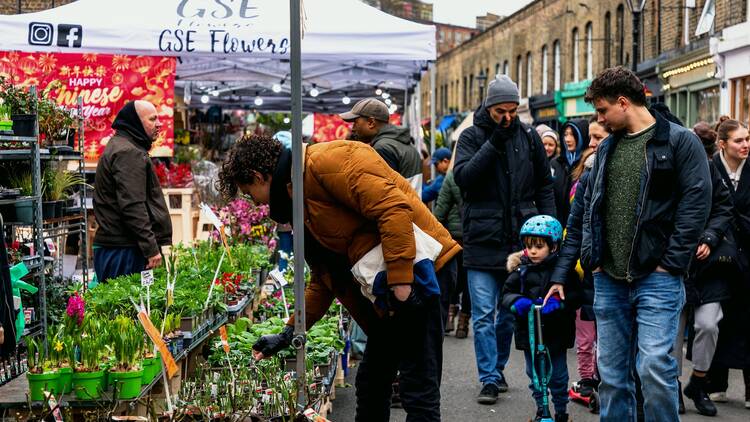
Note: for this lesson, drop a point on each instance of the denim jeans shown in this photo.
(114, 262)
(493, 325)
(558, 380)
(636, 327)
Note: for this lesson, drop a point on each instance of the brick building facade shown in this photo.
(10, 7)
(550, 43)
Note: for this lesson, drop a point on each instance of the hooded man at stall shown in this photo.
(354, 202)
(129, 205)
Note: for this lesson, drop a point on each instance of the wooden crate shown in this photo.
(184, 217)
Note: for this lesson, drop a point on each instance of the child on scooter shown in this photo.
(527, 284)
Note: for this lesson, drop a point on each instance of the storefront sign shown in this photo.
(330, 127)
(697, 71)
(546, 113)
(105, 82)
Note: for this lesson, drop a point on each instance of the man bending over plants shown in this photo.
(353, 202)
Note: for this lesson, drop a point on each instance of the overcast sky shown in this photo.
(464, 12)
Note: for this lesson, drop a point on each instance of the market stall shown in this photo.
(242, 47)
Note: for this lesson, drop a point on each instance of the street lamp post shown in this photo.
(636, 6)
(481, 79)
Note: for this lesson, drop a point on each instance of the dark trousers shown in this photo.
(558, 379)
(114, 262)
(461, 292)
(411, 342)
(447, 281)
(718, 379)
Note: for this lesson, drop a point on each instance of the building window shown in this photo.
(545, 70)
(506, 68)
(519, 74)
(464, 94)
(497, 71)
(471, 90)
(589, 51)
(607, 40)
(575, 71)
(529, 76)
(556, 64)
(620, 35)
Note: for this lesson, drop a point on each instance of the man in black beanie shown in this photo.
(504, 176)
(129, 205)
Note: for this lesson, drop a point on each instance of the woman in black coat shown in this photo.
(575, 142)
(733, 348)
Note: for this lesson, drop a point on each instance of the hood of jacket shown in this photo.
(589, 163)
(580, 129)
(128, 121)
(400, 134)
(280, 204)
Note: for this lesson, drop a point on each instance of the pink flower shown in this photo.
(76, 307)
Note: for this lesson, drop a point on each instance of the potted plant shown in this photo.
(54, 122)
(24, 205)
(41, 376)
(57, 184)
(60, 351)
(21, 106)
(128, 343)
(88, 378)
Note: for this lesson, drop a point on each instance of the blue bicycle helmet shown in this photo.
(542, 226)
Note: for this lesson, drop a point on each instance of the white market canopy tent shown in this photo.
(240, 48)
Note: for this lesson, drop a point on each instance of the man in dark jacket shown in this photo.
(128, 202)
(643, 215)
(369, 118)
(504, 177)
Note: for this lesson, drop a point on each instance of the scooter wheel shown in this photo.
(594, 403)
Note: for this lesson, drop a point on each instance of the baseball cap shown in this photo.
(441, 154)
(369, 107)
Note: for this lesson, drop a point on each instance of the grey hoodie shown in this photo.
(394, 144)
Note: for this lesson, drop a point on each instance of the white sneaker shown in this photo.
(720, 397)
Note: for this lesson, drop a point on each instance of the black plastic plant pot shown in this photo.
(48, 209)
(23, 124)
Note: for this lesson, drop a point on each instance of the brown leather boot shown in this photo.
(450, 325)
(463, 325)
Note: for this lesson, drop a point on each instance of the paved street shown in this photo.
(460, 388)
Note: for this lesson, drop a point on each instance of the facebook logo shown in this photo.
(69, 35)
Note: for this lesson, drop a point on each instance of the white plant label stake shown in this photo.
(213, 280)
(147, 279)
(278, 276)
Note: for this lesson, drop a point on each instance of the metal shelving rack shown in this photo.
(55, 229)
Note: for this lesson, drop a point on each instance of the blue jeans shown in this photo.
(493, 325)
(636, 326)
(286, 245)
(558, 380)
(114, 262)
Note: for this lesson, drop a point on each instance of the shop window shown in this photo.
(707, 105)
(607, 40)
(741, 99)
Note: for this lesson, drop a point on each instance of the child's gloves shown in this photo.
(522, 306)
(553, 304)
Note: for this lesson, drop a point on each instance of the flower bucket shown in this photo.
(25, 211)
(127, 385)
(23, 124)
(66, 380)
(88, 385)
(39, 383)
(148, 370)
(104, 367)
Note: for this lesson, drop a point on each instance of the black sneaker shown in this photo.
(561, 417)
(696, 391)
(587, 386)
(681, 403)
(489, 394)
(502, 386)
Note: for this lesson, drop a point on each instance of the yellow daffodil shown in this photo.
(58, 346)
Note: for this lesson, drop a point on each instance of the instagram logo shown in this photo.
(40, 33)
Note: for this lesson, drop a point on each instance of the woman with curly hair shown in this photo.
(353, 202)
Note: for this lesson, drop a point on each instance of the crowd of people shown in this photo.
(619, 236)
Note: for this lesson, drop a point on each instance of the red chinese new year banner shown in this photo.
(330, 127)
(106, 83)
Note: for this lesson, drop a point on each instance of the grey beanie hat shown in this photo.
(502, 89)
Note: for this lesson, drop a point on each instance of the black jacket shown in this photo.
(128, 201)
(533, 281)
(671, 212)
(394, 144)
(709, 279)
(562, 187)
(500, 188)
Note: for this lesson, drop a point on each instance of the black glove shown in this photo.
(502, 134)
(273, 343)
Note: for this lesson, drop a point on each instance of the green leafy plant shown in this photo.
(127, 340)
(18, 99)
(58, 182)
(54, 120)
(23, 181)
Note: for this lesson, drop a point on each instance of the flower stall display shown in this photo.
(250, 224)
